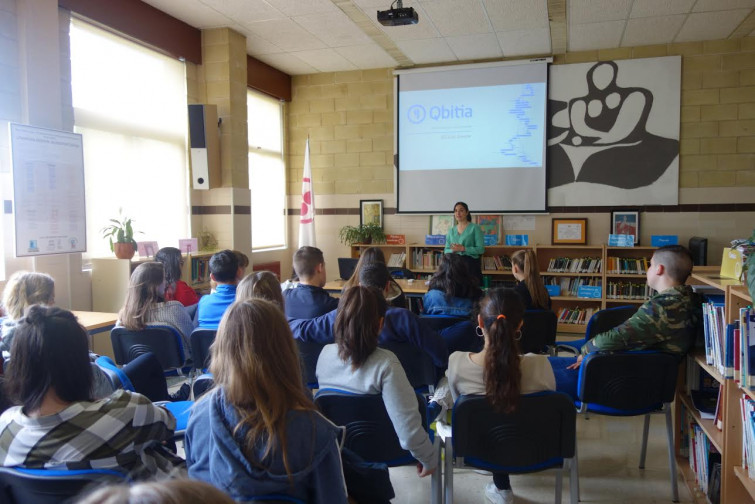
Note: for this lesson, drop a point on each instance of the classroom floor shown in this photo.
(609, 452)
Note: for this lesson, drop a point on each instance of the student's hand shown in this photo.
(576, 364)
(422, 471)
(457, 247)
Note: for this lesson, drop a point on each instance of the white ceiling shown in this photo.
(310, 36)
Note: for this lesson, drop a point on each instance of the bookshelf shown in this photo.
(736, 486)
(110, 277)
(626, 270)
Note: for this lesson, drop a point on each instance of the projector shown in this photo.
(398, 17)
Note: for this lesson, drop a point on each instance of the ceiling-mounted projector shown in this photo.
(398, 16)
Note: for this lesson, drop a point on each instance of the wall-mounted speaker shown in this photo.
(205, 146)
(698, 247)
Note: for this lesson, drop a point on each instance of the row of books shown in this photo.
(730, 348)
(397, 260)
(575, 265)
(200, 270)
(747, 408)
(426, 258)
(496, 263)
(576, 316)
(705, 461)
(628, 290)
(627, 265)
(570, 285)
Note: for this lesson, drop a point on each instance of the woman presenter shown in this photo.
(465, 239)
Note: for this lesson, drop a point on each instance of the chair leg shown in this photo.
(671, 458)
(436, 496)
(559, 485)
(574, 477)
(449, 472)
(645, 430)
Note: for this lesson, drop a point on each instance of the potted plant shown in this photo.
(363, 233)
(120, 233)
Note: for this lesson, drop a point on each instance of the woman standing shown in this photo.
(465, 239)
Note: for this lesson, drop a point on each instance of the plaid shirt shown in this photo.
(114, 433)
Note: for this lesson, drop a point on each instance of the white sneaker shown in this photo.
(498, 496)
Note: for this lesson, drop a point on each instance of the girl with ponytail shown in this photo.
(498, 371)
(530, 286)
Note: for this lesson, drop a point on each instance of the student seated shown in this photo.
(356, 365)
(309, 299)
(669, 321)
(452, 289)
(175, 288)
(225, 272)
(395, 294)
(146, 306)
(23, 290)
(174, 491)
(498, 371)
(530, 285)
(58, 425)
(401, 325)
(258, 431)
(261, 285)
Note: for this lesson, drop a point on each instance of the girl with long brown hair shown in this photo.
(498, 371)
(530, 287)
(262, 285)
(257, 432)
(395, 295)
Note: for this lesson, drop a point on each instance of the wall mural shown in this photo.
(613, 135)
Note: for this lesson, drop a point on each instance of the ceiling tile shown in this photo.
(719, 5)
(517, 14)
(594, 11)
(710, 25)
(652, 30)
(192, 12)
(584, 37)
(325, 60)
(293, 8)
(257, 46)
(245, 11)
(287, 63)
(525, 42)
(366, 56)
(478, 46)
(648, 8)
(286, 34)
(335, 29)
(427, 51)
(457, 17)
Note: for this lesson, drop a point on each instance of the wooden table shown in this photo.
(411, 288)
(98, 325)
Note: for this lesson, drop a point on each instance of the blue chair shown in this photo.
(369, 430)
(309, 351)
(540, 434)
(631, 384)
(163, 341)
(538, 331)
(118, 378)
(601, 321)
(200, 340)
(439, 322)
(47, 486)
(418, 366)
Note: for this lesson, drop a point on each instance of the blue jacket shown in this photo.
(400, 325)
(435, 302)
(308, 301)
(214, 455)
(212, 308)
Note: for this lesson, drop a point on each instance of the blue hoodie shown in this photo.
(214, 455)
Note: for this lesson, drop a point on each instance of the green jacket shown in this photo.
(669, 321)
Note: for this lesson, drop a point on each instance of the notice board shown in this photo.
(48, 191)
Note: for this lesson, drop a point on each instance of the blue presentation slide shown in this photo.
(476, 127)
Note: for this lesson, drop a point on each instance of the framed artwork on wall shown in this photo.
(371, 212)
(568, 231)
(440, 224)
(626, 222)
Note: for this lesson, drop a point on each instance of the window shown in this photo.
(130, 106)
(267, 174)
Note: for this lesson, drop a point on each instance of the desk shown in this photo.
(417, 288)
(98, 325)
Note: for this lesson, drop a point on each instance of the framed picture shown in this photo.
(626, 222)
(440, 224)
(568, 231)
(371, 212)
(489, 224)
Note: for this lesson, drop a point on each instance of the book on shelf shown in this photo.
(397, 260)
(574, 265)
(627, 265)
(628, 290)
(747, 409)
(496, 263)
(570, 285)
(746, 329)
(574, 316)
(703, 456)
(713, 329)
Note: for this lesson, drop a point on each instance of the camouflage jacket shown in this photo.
(668, 321)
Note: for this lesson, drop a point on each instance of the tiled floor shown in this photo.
(609, 452)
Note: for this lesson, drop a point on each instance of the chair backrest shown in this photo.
(44, 486)
(369, 430)
(538, 331)
(418, 365)
(537, 435)
(201, 339)
(117, 377)
(163, 341)
(627, 383)
(603, 320)
(439, 322)
(309, 351)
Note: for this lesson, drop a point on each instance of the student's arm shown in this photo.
(318, 329)
(477, 247)
(640, 331)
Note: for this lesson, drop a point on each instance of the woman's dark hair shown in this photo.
(49, 349)
(358, 324)
(172, 260)
(502, 374)
(466, 207)
(454, 279)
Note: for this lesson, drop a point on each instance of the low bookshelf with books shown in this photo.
(626, 275)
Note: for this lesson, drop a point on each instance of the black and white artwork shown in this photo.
(613, 136)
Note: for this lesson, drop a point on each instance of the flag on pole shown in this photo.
(307, 219)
